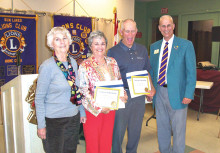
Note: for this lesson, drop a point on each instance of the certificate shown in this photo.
(138, 83)
(114, 84)
(107, 97)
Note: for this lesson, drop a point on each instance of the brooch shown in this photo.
(176, 47)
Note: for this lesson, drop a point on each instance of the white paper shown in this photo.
(139, 87)
(116, 84)
(107, 97)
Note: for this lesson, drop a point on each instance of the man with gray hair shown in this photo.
(174, 76)
(130, 57)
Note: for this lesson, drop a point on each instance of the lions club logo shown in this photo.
(77, 49)
(12, 42)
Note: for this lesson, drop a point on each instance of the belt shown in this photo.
(165, 85)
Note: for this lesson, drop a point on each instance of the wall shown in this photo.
(141, 20)
(175, 7)
(94, 8)
(178, 8)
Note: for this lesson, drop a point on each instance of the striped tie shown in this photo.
(163, 65)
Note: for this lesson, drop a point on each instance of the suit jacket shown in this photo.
(181, 70)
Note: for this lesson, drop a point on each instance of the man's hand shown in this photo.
(151, 94)
(41, 133)
(186, 100)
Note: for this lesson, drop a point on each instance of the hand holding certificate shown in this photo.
(139, 83)
(107, 94)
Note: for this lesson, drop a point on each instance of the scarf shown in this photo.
(69, 74)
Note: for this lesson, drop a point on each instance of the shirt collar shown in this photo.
(170, 41)
(125, 48)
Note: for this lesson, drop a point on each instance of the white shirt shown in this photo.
(170, 44)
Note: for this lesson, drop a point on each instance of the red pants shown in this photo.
(98, 132)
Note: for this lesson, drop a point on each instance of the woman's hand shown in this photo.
(41, 133)
(125, 97)
(83, 119)
(105, 110)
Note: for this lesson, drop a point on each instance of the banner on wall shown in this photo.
(79, 28)
(17, 45)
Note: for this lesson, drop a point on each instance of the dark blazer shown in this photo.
(181, 71)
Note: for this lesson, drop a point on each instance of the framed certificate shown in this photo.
(107, 97)
(140, 85)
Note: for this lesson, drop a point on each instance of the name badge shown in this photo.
(156, 51)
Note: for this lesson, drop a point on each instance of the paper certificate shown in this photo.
(107, 97)
(114, 84)
(140, 84)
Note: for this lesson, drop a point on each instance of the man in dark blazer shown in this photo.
(173, 74)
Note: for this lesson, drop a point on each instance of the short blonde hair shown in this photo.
(53, 31)
(126, 20)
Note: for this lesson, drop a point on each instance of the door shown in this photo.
(197, 28)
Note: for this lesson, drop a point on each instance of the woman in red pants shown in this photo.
(98, 129)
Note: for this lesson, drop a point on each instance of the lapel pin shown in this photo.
(176, 47)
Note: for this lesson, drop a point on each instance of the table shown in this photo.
(202, 85)
(211, 98)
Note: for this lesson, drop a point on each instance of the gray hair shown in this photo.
(126, 20)
(96, 34)
(53, 31)
(166, 16)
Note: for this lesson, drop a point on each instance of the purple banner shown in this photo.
(17, 45)
(79, 28)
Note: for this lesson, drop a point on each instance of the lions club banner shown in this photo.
(80, 28)
(17, 45)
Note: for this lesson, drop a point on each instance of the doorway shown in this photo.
(200, 33)
(205, 49)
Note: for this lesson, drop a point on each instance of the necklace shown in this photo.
(102, 64)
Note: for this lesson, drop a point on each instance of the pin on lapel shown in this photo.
(156, 51)
(176, 47)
